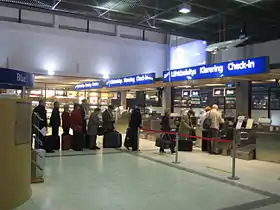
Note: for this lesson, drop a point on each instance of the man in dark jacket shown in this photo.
(39, 119)
(108, 119)
(134, 124)
(55, 120)
(42, 113)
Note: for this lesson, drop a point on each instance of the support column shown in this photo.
(167, 98)
(140, 98)
(55, 21)
(243, 97)
(23, 95)
(123, 99)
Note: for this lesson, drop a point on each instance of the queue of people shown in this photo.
(186, 129)
(214, 119)
(85, 129)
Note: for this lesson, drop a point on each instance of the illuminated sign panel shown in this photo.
(227, 69)
(89, 85)
(143, 79)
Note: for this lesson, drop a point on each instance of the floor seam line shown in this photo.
(182, 168)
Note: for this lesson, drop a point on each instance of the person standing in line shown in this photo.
(77, 124)
(66, 120)
(55, 120)
(205, 132)
(92, 131)
(85, 111)
(134, 124)
(214, 131)
(186, 127)
(166, 138)
(40, 119)
(108, 119)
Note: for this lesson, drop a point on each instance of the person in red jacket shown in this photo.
(77, 126)
(66, 120)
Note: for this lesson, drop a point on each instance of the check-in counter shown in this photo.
(268, 146)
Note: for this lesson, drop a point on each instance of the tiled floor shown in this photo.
(256, 174)
(116, 180)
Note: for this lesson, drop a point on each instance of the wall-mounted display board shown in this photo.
(260, 98)
(153, 98)
(225, 97)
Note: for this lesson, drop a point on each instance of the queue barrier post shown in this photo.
(138, 138)
(176, 161)
(233, 165)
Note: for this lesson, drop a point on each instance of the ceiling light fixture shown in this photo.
(106, 76)
(184, 8)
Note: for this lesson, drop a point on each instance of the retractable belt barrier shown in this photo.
(177, 134)
(185, 135)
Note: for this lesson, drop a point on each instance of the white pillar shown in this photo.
(123, 99)
(166, 98)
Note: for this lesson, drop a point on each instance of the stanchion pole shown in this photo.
(233, 176)
(176, 161)
(138, 138)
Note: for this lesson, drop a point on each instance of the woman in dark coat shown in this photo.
(77, 124)
(92, 131)
(66, 120)
(108, 119)
(166, 138)
(55, 120)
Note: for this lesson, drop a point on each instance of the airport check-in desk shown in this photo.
(268, 145)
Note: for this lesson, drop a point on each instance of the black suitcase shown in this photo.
(87, 141)
(128, 138)
(55, 142)
(46, 143)
(78, 141)
(112, 140)
(164, 141)
(185, 145)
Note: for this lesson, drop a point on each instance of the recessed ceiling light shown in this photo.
(248, 1)
(184, 8)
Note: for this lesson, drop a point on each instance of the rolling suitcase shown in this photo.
(67, 141)
(55, 142)
(46, 143)
(78, 141)
(128, 138)
(162, 141)
(112, 139)
(185, 145)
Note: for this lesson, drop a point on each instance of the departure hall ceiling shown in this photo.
(211, 20)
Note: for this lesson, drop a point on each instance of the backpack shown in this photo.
(207, 122)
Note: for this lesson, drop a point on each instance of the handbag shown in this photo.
(207, 122)
(192, 133)
(100, 131)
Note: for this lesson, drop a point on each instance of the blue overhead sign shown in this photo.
(227, 69)
(13, 79)
(89, 85)
(143, 79)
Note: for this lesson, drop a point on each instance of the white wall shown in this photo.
(62, 44)
(270, 48)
